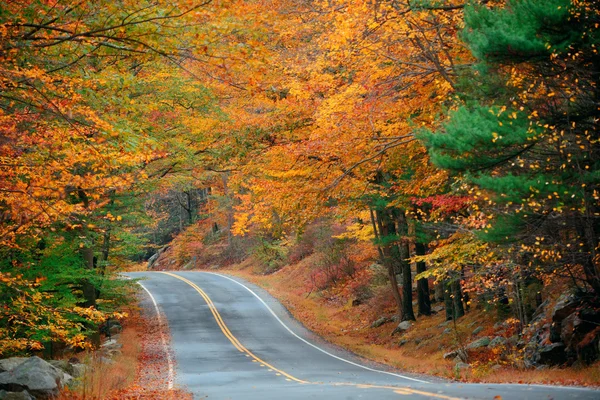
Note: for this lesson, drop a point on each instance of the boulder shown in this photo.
(437, 309)
(566, 305)
(24, 395)
(35, 375)
(460, 354)
(402, 326)
(10, 363)
(152, 260)
(479, 343)
(379, 322)
(498, 341)
(477, 330)
(553, 354)
(78, 370)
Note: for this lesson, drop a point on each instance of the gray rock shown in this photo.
(446, 331)
(496, 367)
(111, 345)
(477, 330)
(24, 395)
(460, 354)
(402, 326)
(78, 370)
(498, 341)
(152, 260)
(437, 309)
(62, 365)
(479, 343)
(566, 305)
(35, 375)
(402, 342)
(9, 363)
(105, 360)
(379, 322)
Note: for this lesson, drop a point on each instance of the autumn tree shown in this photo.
(525, 135)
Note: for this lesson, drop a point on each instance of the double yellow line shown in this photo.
(241, 348)
(229, 335)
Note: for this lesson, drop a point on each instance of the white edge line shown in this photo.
(309, 343)
(170, 375)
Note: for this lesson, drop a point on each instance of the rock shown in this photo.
(460, 354)
(566, 305)
(402, 326)
(450, 354)
(111, 344)
(152, 260)
(446, 331)
(78, 370)
(437, 309)
(479, 343)
(498, 341)
(445, 323)
(105, 360)
(477, 330)
(540, 312)
(62, 365)
(498, 325)
(567, 329)
(418, 341)
(496, 367)
(24, 395)
(10, 363)
(379, 322)
(402, 342)
(111, 328)
(554, 333)
(35, 375)
(553, 354)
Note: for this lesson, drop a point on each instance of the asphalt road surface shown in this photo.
(232, 340)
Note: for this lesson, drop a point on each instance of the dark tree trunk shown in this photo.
(457, 299)
(448, 303)
(423, 296)
(439, 292)
(402, 230)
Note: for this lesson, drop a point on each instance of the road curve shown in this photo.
(232, 340)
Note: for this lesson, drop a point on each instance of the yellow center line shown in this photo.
(278, 372)
(228, 333)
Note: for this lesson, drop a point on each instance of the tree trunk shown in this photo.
(87, 253)
(457, 298)
(439, 292)
(423, 296)
(448, 303)
(402, 231)
(384, 227)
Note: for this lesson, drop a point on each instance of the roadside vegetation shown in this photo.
(417, 166)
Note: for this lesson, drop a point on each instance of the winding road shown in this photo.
(232, 340)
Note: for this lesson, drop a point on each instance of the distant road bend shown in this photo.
(232, 340)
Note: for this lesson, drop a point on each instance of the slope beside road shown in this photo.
(232, 340)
